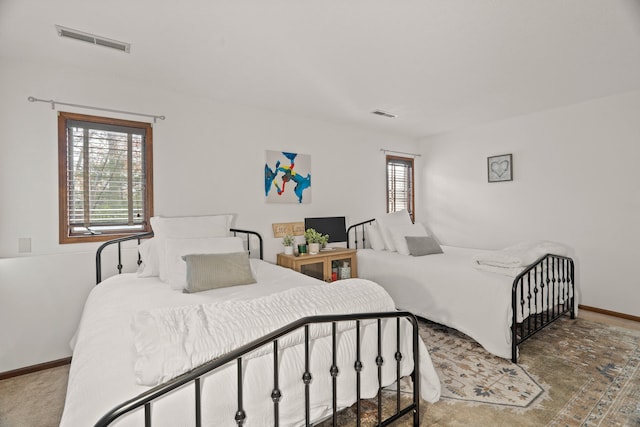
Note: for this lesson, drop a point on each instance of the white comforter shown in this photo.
(447, 289)
(102, 371)
(172, 341)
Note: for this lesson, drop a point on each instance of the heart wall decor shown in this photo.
(500, 168)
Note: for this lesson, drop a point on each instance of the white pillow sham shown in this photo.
(399, 232)
(148, 250)
(191, 226)
(186, 227)
(375, 238)
(389, 221)
(174, 270)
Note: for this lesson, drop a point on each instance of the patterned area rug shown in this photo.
(573, 373)
(468, 373)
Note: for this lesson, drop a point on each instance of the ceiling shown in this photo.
(440, 65)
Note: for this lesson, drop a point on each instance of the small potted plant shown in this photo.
(315, 239)
(288, 240)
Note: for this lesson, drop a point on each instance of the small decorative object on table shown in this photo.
(315, 240)
(288, 240)
(345, 271)
(302, 249)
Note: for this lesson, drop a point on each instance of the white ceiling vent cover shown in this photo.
(93, 39)
(384, 114)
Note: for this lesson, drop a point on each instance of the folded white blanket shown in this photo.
(171, 341)
(511, 272)
(512, 260)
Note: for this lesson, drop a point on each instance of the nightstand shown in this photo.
(323, 264)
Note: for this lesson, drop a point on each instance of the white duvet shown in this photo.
(102, 373)
(447, 289)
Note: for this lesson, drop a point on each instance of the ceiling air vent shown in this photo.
(384, 114)
(93, 39)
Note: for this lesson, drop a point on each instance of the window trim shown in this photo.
(410, 160)
(63, 206)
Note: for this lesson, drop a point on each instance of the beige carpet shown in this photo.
(34, 400)
(574, 373)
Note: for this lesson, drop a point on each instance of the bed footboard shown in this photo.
(541, 294)
(193, 377)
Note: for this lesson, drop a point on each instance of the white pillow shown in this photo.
(399, 232)
(186, 227)
(374, 237)
(174, 270)
(390, 220)
(148, 250)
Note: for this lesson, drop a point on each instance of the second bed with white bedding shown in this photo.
(446, 288)
(421, 284)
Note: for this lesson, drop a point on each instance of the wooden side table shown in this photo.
(321, 265)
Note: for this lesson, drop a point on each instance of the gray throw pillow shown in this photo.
(212, 271)
(422, 245)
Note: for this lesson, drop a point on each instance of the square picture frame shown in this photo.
(500, 168)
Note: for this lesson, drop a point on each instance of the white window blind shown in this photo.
(399, 184)
(105, 178)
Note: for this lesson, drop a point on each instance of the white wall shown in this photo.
(576, 180)
(208, 158)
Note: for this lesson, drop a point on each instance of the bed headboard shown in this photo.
(356, 231)
(248, 236)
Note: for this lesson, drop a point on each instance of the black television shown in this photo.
(334, 226)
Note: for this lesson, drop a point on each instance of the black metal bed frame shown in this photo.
(148, 235)
(544, 291)
(146, 399)
(193, 377)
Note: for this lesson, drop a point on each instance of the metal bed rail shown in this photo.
(354, 227)
(147, 398)
(118, 242)
(540, 294)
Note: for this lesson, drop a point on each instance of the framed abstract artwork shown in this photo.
(500, 168)
(287, 177)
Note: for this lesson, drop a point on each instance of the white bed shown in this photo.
(104, 355)
(422, 285)
(471, 290)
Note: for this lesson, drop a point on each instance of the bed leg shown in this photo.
(573, 308)
(514, 342)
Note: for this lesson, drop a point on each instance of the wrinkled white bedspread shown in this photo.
(102, 370)
(171, 341)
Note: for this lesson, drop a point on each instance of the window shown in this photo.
(400, 184)
(105, 177)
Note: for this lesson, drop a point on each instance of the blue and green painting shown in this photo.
(287, 177)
